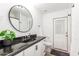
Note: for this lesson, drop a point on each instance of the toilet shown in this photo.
(48, 47)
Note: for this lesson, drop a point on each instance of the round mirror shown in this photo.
(20, 18)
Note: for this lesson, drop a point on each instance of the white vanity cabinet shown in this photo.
(40, 47)
(30, 51)
(34, 50)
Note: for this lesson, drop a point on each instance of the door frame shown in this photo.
(67, 33)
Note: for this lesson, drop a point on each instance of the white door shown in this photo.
(61, 33)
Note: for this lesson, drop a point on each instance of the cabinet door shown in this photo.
(20, 54)
(39, 51)
(29, 51)
(35, 50)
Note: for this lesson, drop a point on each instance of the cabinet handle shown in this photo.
(36, 47)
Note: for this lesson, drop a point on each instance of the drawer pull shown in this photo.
(36, 47)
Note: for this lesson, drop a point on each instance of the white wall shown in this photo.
(4, 20)
(48, 23)
(75, 31)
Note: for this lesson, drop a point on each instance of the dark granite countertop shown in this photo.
(17, 48)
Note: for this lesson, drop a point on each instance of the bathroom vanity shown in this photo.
(34, 50)
(30, 48)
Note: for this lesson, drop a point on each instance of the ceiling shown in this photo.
(52, 7)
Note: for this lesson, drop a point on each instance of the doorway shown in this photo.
(60, 30)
